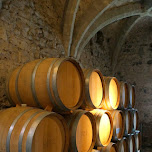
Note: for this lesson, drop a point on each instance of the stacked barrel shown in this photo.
(59, 107)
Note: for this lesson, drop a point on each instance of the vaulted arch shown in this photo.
(123, 37)
(71, 9)
(86, 20)
(110, 16)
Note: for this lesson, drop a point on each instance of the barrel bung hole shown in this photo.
(69, 84)
(95, 89)
(49, 136)
(113, 93)
(84, 134)
(105, 129)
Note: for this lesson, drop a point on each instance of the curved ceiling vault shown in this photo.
(77, 21)
(107, 18)
(122, 38)
(89, 19)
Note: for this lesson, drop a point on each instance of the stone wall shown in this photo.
(97, 54)
(24, 36)
(135, 66)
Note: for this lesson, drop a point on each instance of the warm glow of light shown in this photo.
(104, 129)
(113, 93)
(84, 134)
(95, 89)
(69, 84)
(96, 111)
(51, 133)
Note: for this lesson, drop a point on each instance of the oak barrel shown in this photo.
(56, 82)
(131, 143)
(112, 93)
(131, 89)
(137, 136)
(135, 119)
(82, 130)
(118, 124)
(26, 129)
(110, 148)
(95, 150)
(94, 89)
(104, 127)
(128, 122)
(124, 96)
(122, 145)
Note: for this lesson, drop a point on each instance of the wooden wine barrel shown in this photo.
(131, 89)
(112, 93)
(82, 130)
(118, 124)
(57, 82)
(131, 143)
(122, 145)
(135, 119)
(110, 148)
(137, 136)
(25, 129)
(104, 127)
(94, 89)
(124, 96)
(95, 150)
(128, 122)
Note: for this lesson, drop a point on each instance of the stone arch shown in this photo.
(107, 18)
(94, 11)
(68, 23)
(122, 39)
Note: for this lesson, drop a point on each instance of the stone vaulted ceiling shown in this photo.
(77, 21)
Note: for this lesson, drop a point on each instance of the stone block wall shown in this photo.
(24, 36)
(135, 66)
(97, 54)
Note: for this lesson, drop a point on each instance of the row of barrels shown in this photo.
(61, 84)
(28, 129)
(131, 143)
